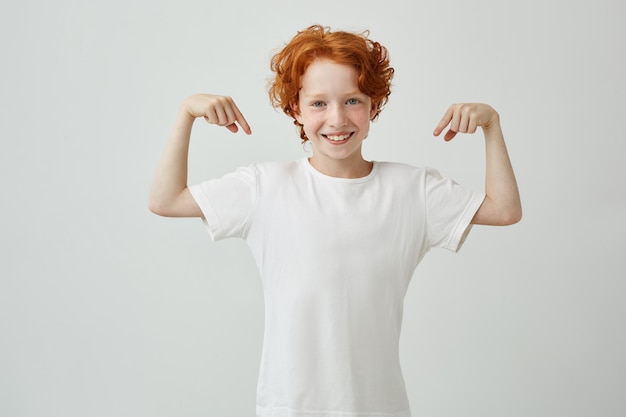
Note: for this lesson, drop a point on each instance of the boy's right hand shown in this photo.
(218, 110)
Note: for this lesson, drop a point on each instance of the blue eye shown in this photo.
(317, 104)
(353, 101)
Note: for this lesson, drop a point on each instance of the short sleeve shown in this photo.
(449, 210)
(227, 203)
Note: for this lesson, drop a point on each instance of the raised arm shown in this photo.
(169, 195)
(502, 205)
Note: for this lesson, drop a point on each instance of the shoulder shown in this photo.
(403, 170)
(271, 174)
(277, 168)
(411, 178)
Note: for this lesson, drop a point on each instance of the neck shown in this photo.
(343, 169)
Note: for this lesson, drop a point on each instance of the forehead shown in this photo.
(323, 75)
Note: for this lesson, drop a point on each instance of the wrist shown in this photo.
(493, 124)
(184, 115)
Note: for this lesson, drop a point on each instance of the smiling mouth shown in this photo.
(338, 138)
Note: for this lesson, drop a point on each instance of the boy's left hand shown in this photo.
(466, 118)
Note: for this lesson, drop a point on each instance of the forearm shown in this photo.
(170, 178)
(502, 201)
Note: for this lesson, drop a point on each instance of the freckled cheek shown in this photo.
(359, 115)
(312, 122)
(362, 120)
(312, 126)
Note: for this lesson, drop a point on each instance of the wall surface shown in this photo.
(109, 310)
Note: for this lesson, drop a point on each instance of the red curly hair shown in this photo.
(369, 58)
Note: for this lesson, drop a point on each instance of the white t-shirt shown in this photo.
(335, 257)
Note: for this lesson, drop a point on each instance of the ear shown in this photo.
(296, 112)
(373, 110)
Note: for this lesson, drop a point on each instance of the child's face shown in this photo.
(334, 112)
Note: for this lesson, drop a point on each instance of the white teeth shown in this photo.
(338, 138)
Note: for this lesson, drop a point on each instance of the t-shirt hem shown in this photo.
(287, 412)
(464, 226)
(209, 219)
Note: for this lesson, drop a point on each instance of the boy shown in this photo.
(336, 238)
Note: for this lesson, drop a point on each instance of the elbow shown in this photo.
(513, 219)
(157, 207)
(512, 216)
(173, 205)
(494, 213)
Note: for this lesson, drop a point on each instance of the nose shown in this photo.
(337, 116)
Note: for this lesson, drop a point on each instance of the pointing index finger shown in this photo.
(242, 122)
(445, 120)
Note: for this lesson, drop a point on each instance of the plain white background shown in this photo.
(109, 310)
